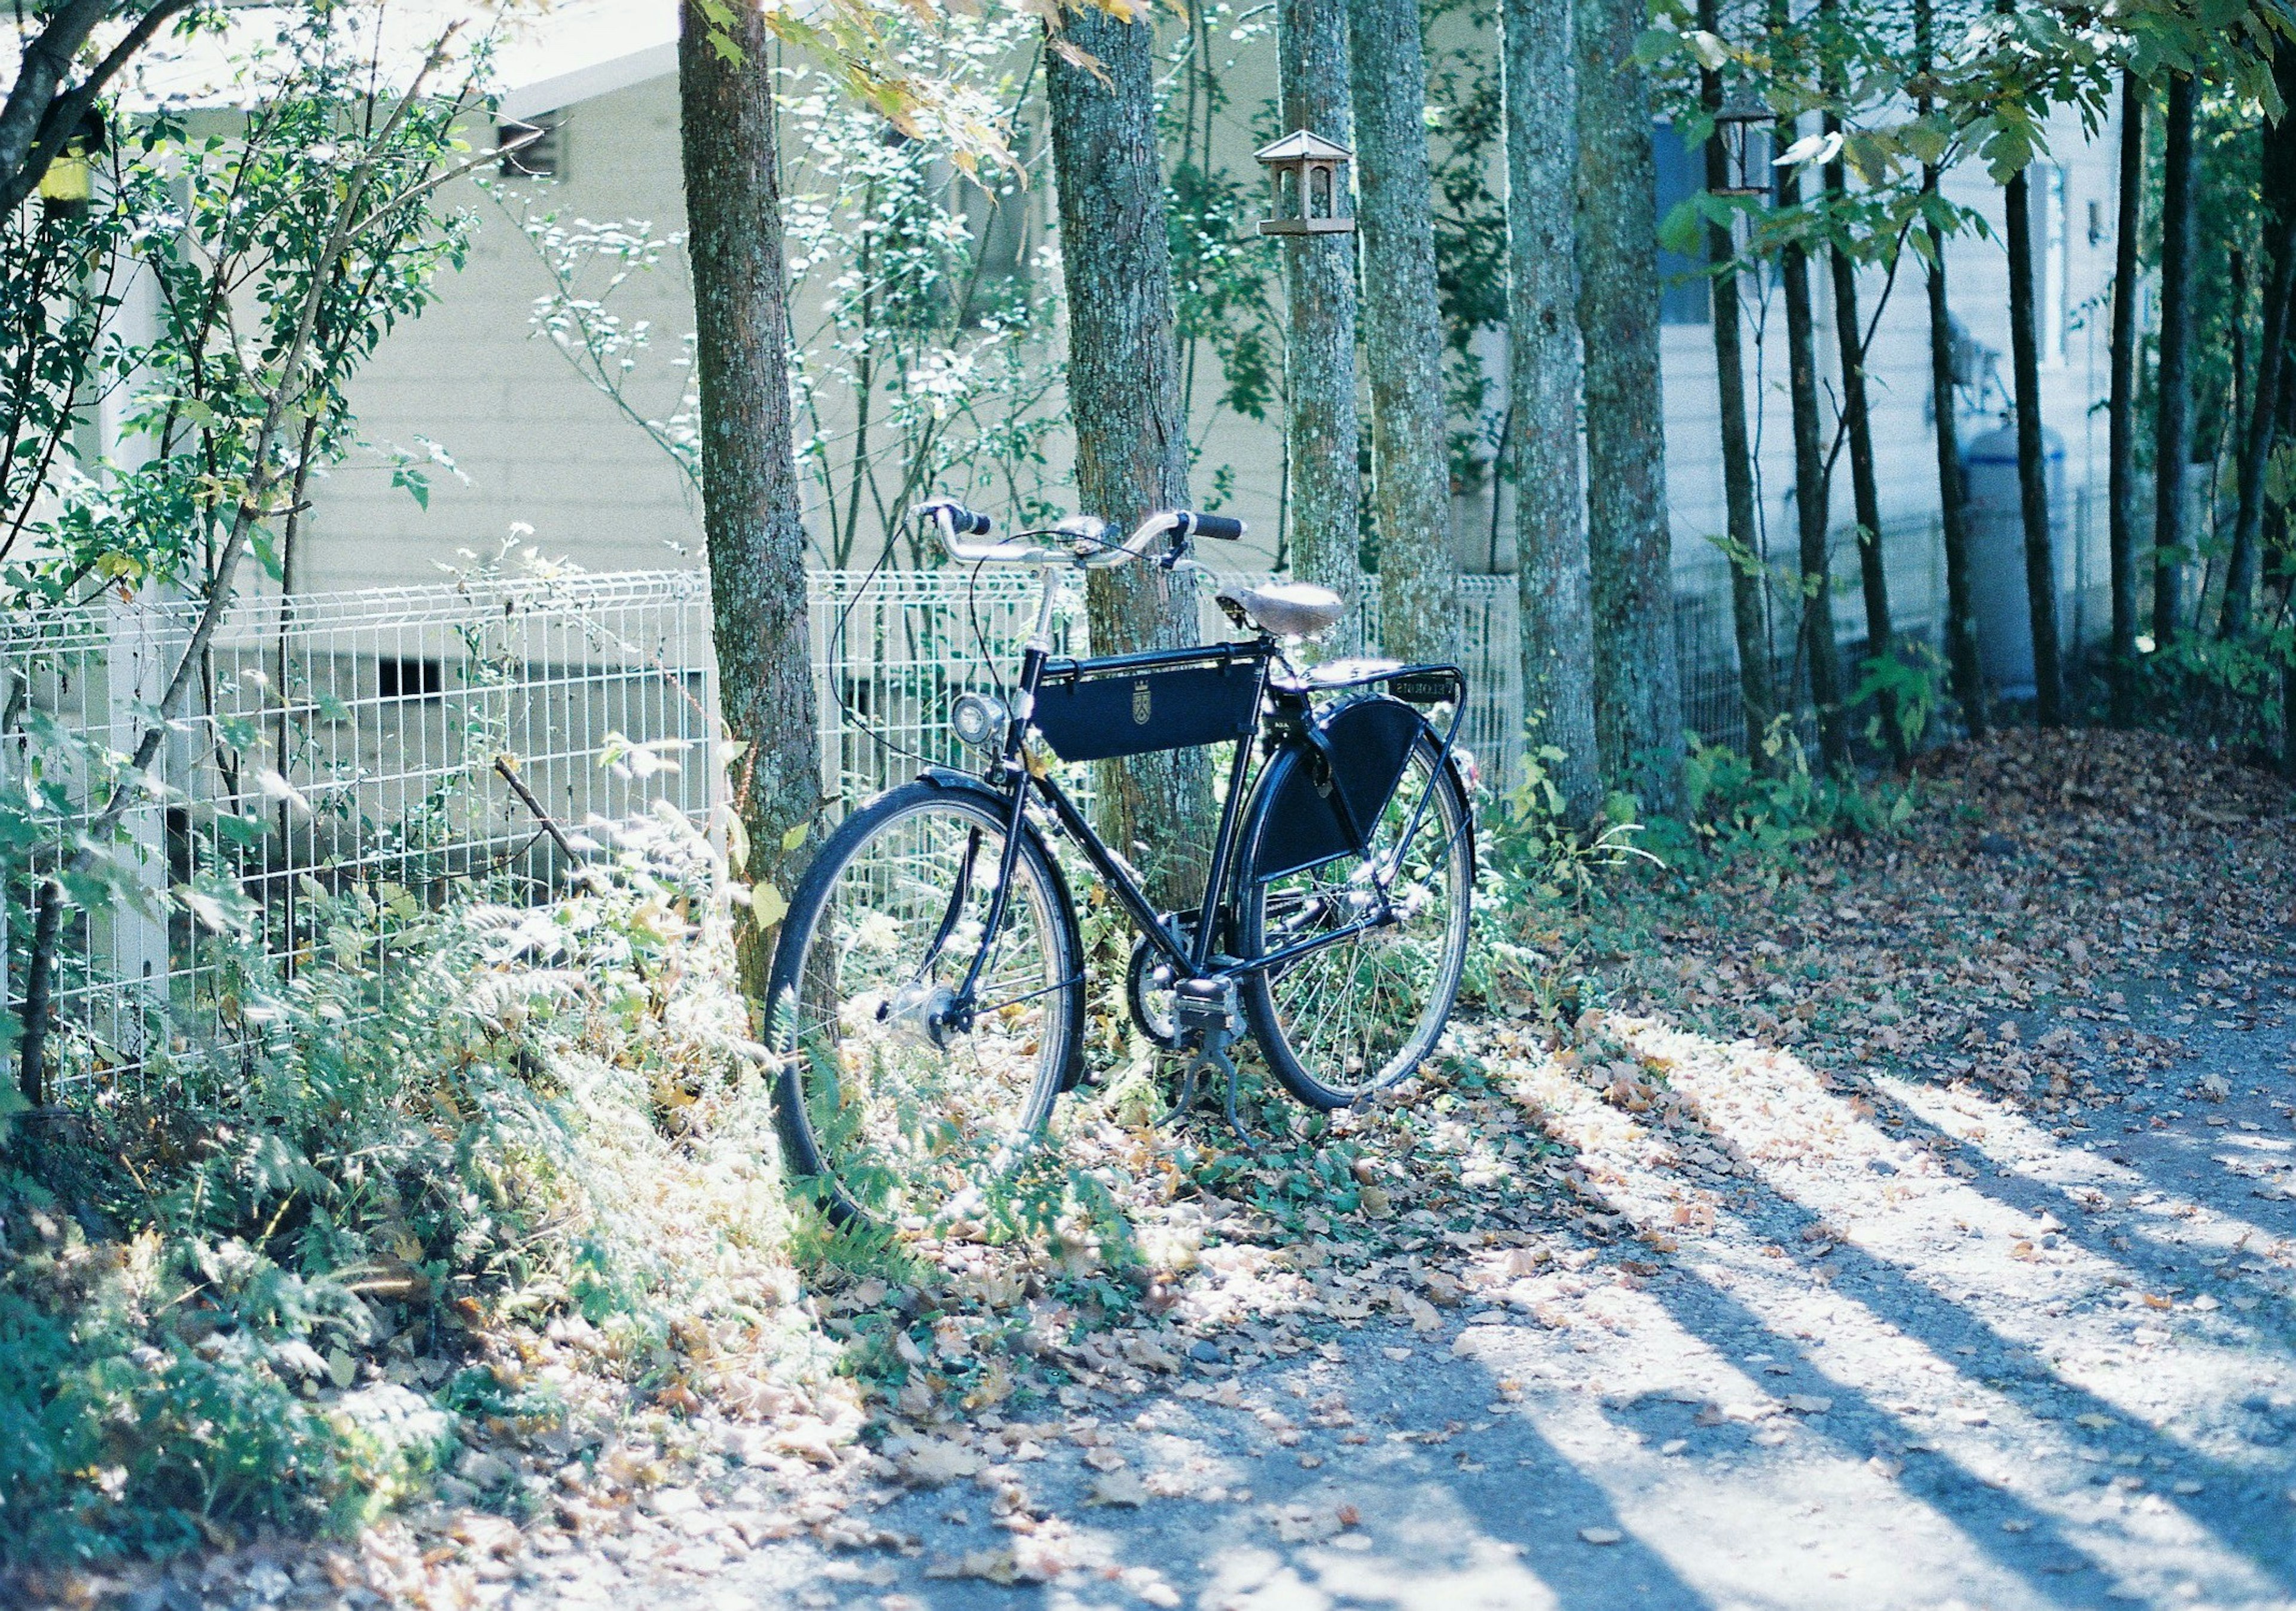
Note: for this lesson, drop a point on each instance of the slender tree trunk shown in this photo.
(2032, 468)
(749, 494)
(1124, 395)
(1963, 664)
(2120, 409)
(2172, 430)
(1402, 333)
(1637, 687)
(1552, 573)
(1857, 424)
(1749, 619)
(32, 1050)
(1324, 495)
(1811, 499)
(2276, 186)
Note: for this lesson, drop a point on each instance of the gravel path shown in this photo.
(1894, 1347)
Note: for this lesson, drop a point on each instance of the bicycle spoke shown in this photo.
(908, 1110)
(1361, 1012)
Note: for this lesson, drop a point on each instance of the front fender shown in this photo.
(965, 783)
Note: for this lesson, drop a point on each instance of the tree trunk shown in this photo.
(1324, 494)
(1124, 395)
(1856, 425)
(2032, 468)
(2120, 409)
(1543, 377)
(1749, 578)
(2172, 429)
(2276, 188)
(748, 474)
(1403, 334)
(1637, 688)
(1811, 500)
(1963, 664)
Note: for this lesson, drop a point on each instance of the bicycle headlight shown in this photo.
(980, 719)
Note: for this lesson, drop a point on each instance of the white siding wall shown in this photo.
(538, 446)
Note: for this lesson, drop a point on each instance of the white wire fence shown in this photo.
(357, 740)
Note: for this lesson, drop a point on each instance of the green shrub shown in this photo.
(443, 1126)
(1737, 812)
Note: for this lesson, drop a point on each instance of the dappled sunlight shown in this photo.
(1477, 1573)
(1745, 1526)
(1901, 1270)
(2013, 1143)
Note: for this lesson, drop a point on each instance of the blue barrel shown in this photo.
(1996, 542)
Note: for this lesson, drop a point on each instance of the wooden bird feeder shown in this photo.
(1310, 176)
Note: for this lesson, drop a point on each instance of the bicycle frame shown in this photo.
(1197, 955)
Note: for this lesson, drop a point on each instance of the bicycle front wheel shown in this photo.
(899, 1109)
(1358, 1015)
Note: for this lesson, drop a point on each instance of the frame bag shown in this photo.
(1089, 713)
(1329, 800)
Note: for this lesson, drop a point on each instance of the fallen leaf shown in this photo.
(1122, 1488)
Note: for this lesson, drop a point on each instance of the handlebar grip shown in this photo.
(963, 522)
(1224, 528)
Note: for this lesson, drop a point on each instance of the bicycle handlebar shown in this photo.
(1089, 545)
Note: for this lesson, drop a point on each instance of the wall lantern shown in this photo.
(70, 179)
(1310, 178)
(1745, 130)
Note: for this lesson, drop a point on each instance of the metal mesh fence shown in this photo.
(342, 741)
(1913, 553)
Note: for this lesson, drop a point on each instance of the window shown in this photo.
(404, 679)
(1684, 296)
(532, 148)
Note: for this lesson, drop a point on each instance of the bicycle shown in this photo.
(927, 996)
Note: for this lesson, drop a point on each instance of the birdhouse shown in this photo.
(1309, 175)
(1744, 131)
(70, 179)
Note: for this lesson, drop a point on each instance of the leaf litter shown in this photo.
(1542, 1170)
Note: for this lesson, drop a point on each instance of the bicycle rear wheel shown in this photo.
(897, 1116)
(1360, 1014)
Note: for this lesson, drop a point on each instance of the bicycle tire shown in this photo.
(1311, 1044)
(854, 1109)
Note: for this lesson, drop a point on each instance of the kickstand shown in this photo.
(1210, 1022)
(1212, 1052)
(1243, 1136)
(1186, 1098)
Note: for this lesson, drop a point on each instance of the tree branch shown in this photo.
(62, 115)
(40, 77)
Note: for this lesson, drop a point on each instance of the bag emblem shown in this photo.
(1141, 697)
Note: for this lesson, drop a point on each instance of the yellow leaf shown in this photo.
(795, 837)
(768, 903)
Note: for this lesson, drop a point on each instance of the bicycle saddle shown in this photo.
(1287, 610)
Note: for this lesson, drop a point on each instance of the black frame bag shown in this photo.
(1131, 705)
(1344, 773)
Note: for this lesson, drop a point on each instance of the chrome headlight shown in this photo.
(980, 720)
